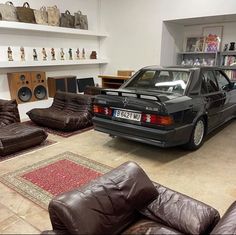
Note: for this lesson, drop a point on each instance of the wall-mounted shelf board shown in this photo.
(228, 67)
(13, 26)
(196, 53)
(22, 64)
(224, 53)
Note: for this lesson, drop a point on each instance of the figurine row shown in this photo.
(44, 54)
(198, 62)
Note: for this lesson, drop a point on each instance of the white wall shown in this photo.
(40, 40)
(136, 28)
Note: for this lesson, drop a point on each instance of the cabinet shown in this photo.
(61, 83)
(198, 58)
(113, 81)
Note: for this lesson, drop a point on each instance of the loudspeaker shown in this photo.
(61, 83)
(39, 85)
(20, 86)
(27, 86)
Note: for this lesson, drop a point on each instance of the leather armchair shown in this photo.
(125, 201)
(69, 112)
(16, 136)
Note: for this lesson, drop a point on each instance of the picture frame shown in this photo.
(213, 38)
(194, 44)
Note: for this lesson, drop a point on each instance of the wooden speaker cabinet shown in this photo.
(20, 86)
(27, 86)
(61, 83)
(39, 85)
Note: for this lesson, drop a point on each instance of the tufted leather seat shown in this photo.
(68, 112)
(126, 201)
(16, 136)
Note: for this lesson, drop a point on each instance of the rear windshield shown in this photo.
(162, 80)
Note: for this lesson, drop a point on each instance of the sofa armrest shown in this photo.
(54, 232)
(181, 212)
(106, 205)
(227, 224)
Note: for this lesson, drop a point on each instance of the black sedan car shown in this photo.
(167, 106)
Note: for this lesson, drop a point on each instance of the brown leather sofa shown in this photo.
(125, 201)
(69, 112)
(16, 136)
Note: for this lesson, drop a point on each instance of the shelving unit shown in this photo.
(112, 81)
(36, 30)
(198, 55)
(24, 64)
(15, 27)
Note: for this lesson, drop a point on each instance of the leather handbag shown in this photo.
(67, 20)
(25, 14)
(53, 16)
(41, 16)
(81, 21)
(8, 12)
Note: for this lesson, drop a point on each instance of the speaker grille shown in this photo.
(40, 92)
(24, 94)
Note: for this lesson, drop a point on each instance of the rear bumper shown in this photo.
(161, 138)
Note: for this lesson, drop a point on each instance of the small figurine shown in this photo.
(22, 54)
(226, 47)
(232, 46)
(9, 54)
(62, 53)
(53, 54)
(44, 54)
(204, 62)
(35, 55)
(83, 54)
(70, 54)
(78, 54)
(93, 55)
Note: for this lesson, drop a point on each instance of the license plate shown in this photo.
(127, 115)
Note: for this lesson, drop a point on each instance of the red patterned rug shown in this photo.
(29, 150)
(42, 181)
(60, 133)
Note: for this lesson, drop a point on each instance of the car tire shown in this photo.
(198, 135)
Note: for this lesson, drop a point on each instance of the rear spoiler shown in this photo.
(125, 93)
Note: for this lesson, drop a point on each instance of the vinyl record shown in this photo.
(24, 94)
(40, 92)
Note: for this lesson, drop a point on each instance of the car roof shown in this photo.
(179, 68)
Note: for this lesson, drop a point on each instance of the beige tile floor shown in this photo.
(208, 174)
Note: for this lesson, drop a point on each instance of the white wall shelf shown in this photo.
(23, 64)
(13, 26)
(196, 53)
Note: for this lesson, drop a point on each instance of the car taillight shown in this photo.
(102, 110)
(157, 119)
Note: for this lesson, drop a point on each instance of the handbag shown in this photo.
(67, 20)
(41, 16)
(53, 16)
(81, 21)
(8, 12)
(25, 14)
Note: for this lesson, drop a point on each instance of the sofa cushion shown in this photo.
(181, 212)
(227, 224)
(106, 205)
(8, 112)
(145, 226)
(18, 136)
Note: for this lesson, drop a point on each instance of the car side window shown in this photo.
(210, 81)
(222, 81)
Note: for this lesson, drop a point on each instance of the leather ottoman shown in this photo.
(18, 136)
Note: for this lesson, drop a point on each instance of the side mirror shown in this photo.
(232, 85)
